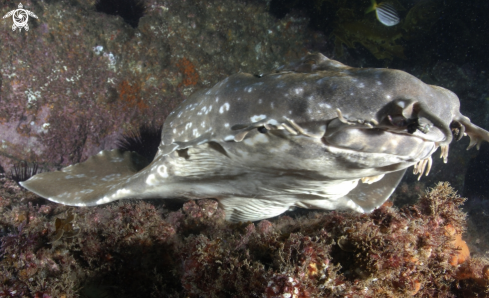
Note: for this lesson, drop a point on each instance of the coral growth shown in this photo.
(190, 75)
(137, 249)
(130, 95)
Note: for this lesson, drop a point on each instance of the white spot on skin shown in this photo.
(103, 200)
(117, 159)
(118, 194)
(401, 104)
(280, 147)
(257, 118)
(285, 146)
(203, 110)
(388, 96)
(271, 104)
(151, 180)
(75, 176)
(361, 85)
(162, 171)
(195, 132)
(298, 91)
(217, 99)
(229, 138)
(188, 125)
(225, 106)
(226, 124)
(260, 101)
(110, 177)
(259, 138)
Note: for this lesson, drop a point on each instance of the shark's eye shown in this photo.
(262, 129)
(413, 125)
(411, 128)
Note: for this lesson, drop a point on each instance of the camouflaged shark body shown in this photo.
(315, 134)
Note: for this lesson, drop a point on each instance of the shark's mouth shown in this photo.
(381, 140)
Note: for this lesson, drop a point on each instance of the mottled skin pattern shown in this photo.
(315, 134)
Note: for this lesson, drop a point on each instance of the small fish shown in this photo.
(386, 13)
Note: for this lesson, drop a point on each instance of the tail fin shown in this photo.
(93, 182)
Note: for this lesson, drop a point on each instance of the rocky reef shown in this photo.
(137, 248)
(89, 71)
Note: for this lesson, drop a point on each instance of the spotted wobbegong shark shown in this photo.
(313, 134)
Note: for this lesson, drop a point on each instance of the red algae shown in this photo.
(129, 94)
(136, 248)
(190, 75)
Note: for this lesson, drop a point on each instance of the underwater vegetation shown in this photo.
(137, 249)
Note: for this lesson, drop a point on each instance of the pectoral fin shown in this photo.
(371, 196)
(92, 182)
(252, 209)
